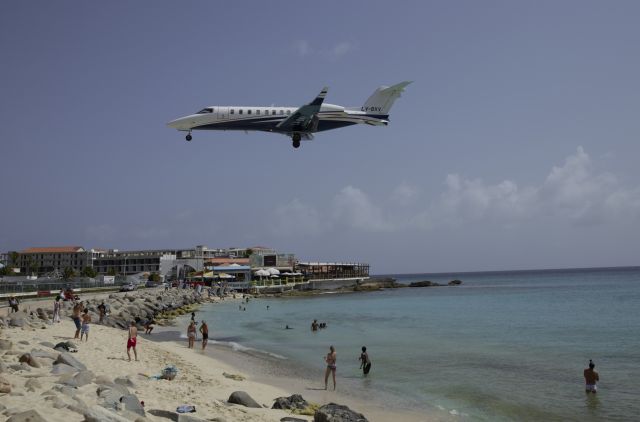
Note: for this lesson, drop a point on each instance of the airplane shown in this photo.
(295, 122)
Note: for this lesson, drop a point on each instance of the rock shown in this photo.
(233, 376)
(17, 321)
(337, 413)
(66, 390)
(5, 344)
(292, 402)
(32, 385)
(23, 342)
(454, 283)
(103, 379)
(62, 368)
(20, 367)
(188, 418)
(166, 414)
(43, 354)
(100, 414)
(46, 344)
(78, 380)
(291, 419)
(5, 386)
(3, 367)
(29, 360)
(67, 359)
(28, 416)
(242, 398)
(126, 381)
(132, 404)
(425, 283)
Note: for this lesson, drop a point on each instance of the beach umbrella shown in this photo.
(273, 271)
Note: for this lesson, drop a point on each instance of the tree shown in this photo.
(6, 270)
(248, 252)
(89, 272)
(155, 277)
(112, 271)
(68, 273)
(14, 256)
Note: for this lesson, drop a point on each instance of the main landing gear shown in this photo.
(296, 140)
(188, 137)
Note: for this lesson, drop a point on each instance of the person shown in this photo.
(331, 366)
(193, 316)
(591, 378)
(288, 328)
(86, 319)
(56, 309)
(102, 310)
(77, 310)
(204, 329)
(267, 307)
(191, 333)
(148, 326)
(13, 303)
(133, 339)
(365, 362)
(314, 325)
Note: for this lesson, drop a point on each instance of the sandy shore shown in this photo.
(200, 381)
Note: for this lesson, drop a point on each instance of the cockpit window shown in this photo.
(205, 110)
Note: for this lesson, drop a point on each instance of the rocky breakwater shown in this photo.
(428, 283)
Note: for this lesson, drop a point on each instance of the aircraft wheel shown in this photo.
(188, 137)
(296, 144)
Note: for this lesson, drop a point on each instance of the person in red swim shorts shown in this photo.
(131, 342)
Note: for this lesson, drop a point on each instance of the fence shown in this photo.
(33, 286)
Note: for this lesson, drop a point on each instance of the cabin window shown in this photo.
(281, 111)
(240, 111)
(273, 112)
(258, 112)
(288, 112)
(248, 111)
(232, 111)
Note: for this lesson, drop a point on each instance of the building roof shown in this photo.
(225, 261)
(55, 249)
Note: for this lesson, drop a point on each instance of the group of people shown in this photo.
(331, 359)
(191, 332)
(315, 325)
(81, 319)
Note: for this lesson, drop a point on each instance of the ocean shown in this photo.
(503, 346)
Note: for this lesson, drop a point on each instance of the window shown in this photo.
(288, 112)
(232, 111)
(240, 111)
(273, 112)
(248, 111)
(258, 112)
(205, 110)
(281, 111)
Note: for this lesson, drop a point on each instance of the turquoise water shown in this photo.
(503, 346)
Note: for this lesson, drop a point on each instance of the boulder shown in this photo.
(337, 413)
(23, 342)
(3, 367)
(62, 368)
(47, 344)
(5, 386)
(242, 398)
(126, 381)
(166, 414)
(425, 283)
(17, 321)
(292, 402)
(131, 403)
(100, 414)
(43, 354)
(103, 379)
(32, 385)
(292, 419)
(5, 344)
(67, 359)
(455, 283)
(78, 380)
(23, 366)
(28, 416)
(29, 360)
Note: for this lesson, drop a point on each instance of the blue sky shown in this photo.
(516, 147)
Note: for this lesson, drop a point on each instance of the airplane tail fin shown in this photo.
(382, 99)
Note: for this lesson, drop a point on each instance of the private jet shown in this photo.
(298, 123)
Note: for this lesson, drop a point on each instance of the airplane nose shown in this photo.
(175, 123)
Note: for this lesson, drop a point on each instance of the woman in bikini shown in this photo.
(331, 366)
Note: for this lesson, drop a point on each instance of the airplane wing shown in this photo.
(302, 120)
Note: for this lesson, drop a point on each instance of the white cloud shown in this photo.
(341, 49)
(302, 47)
(296, 218)
(353, 208)
(574, 192)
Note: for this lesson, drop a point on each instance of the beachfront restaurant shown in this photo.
(234, 276)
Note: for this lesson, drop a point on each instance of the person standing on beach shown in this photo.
(102, 310)
(86, 319)
(204, 329)
(77, 310)
(56, 309)
(132, 340)
(331, 366)
(191, 334)
(365, 363)
(591, 378)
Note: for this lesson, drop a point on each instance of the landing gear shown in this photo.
(188, 137)
(296, 140)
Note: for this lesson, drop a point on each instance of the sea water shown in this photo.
(503, 346)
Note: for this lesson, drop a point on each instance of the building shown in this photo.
(268, 258)
(40, 261)
(332, 270)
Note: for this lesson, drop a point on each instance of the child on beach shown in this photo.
(132, 340)
(365, 363)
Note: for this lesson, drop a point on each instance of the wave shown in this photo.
(237, 347)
